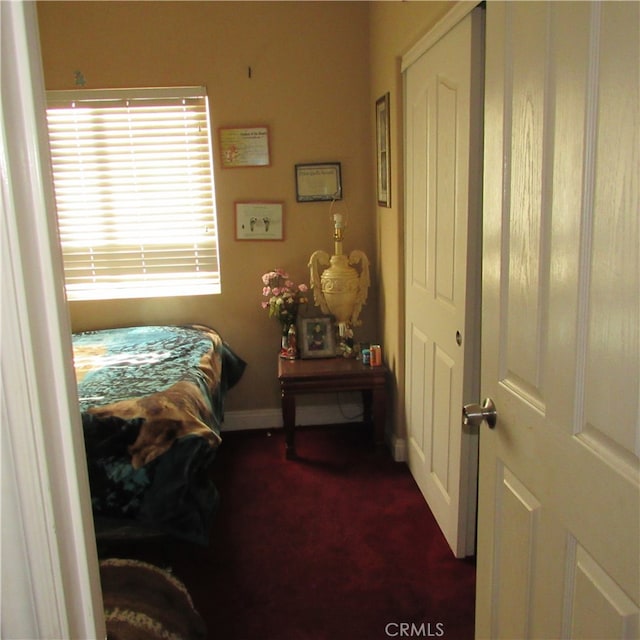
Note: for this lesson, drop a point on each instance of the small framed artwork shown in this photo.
(316, 338)
(259, 220)
(244, 147)
(383, 151)
(321, 181)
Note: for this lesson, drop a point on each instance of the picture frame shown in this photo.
(383, 151)
(320, 181)
(244, 146)
(316, 337)
(259, 220)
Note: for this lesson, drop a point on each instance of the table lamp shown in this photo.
(340, 290)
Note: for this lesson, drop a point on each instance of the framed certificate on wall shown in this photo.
(244, 147)
(320, 181)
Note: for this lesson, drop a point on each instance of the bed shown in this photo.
(152, 404)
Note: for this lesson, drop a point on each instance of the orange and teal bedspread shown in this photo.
(152, 403)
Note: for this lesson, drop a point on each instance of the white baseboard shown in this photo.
(398, 449)
(305, 415)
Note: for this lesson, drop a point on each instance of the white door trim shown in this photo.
(50, 579)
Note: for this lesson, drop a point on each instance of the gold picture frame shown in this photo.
(244, 146)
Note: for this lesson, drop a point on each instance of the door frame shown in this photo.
(49, 556)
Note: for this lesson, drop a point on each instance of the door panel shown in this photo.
(559, 495)
(518, 515)
(419, 385)
(442, 263)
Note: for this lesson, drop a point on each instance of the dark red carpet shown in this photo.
(338, 544)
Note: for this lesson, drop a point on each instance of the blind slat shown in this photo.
(134, 191)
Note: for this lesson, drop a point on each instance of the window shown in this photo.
(133, 178)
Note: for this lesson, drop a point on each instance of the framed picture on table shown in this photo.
(316, 338)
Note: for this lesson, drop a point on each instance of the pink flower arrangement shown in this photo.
(283, 297)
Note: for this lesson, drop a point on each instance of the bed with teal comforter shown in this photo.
(152, 404)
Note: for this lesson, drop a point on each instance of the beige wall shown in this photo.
(309, 84)
(317, 69)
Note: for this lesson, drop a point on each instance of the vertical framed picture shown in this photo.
(316, 338)
(383, 151)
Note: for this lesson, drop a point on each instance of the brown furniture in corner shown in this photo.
(328, 375)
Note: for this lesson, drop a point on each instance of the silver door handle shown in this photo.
(474, 414)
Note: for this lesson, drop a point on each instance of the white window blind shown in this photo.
(133, 180)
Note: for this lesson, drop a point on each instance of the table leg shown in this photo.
(289, 422)
(366, 406)
(379, 415)
(374, 409)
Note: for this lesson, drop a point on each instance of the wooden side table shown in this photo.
(332, 374)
